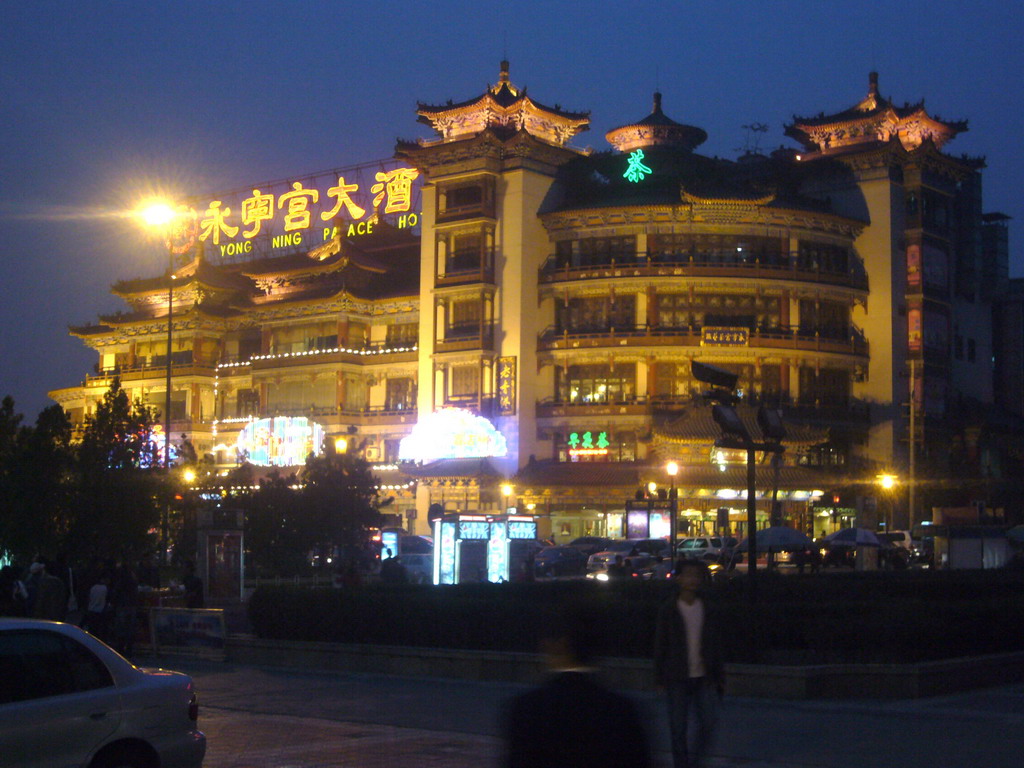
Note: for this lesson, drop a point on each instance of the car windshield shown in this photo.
(622, 546)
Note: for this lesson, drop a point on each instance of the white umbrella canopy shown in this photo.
(778, 539)
(853, 537)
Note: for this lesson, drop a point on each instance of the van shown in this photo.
(898, 538)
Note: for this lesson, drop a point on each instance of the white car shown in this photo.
(67, 699)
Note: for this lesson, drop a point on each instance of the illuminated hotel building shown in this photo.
(562, 294)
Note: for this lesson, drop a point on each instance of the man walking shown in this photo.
(688, 664)
(572, 720)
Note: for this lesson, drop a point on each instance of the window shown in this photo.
(461, 197)
(465, 380)
(823, 256)
(596, 251)
(465, 252)
(38, 664)
(401, 334)
(464, 318)
(715, 249)
(596, 314)
(597, 383)
(401, 394)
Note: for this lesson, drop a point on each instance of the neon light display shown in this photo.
(284, 441)
(522, 529)
(587, 445)
(452, 433)
(497, 553)
(473, 529)
(304, 213)
(444, 557)
(636, 170)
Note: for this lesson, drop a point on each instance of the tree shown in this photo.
(119, 491)
(36, 482)
(340, 497)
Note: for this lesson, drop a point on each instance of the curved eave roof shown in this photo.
(696, 425)
(504, 99)
(656, 128)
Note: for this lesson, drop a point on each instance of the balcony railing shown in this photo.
(697, 265)
(151, 369)
(367, 351)
(459, 338)
(850, 340)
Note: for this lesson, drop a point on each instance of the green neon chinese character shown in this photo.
(636, 170)
(588, 440)
(574, 439)
(602, 440)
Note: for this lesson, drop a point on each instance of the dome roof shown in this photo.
(657, 129)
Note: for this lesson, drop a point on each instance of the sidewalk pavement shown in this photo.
(259, 717)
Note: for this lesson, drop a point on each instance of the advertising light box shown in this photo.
(283, 441)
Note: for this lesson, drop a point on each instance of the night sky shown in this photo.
(102, 102)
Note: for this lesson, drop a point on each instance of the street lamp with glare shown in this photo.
(189, 476)
(340, 445)
(672, 469)
(506, 491)
(159, 216)
(887, 483)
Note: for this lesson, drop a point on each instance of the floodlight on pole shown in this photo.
(159, 215)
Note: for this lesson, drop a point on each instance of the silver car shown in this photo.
(67, 699)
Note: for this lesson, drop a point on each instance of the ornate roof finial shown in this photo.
(657, 103)
(503, 77)
(872, 84)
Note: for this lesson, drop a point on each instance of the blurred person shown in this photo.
(572, 720)
(51, 595)
(193, 587)
(392, 571)
(688, 664)
(13, 594)
(124, 601)
(97, 615)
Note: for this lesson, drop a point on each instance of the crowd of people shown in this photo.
(103, 597)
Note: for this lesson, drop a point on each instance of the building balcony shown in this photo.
(483, 209)
(830, 340)
(361, 354)
(636, 405)
(462, 338)
(150, 370)
(486, 406)
(465, 276)
(704, 266)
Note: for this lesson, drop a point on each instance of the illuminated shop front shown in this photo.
(493, 548)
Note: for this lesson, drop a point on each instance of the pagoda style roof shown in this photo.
(198, 271)
(873, 119)
(631, 476)
(680, 176)
(697, 425)
(506, 109)
(657, 129)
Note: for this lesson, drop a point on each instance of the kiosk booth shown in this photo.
(469, 548)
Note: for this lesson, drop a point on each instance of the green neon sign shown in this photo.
(636, 170)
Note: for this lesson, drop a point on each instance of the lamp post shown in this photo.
(506, 492)
(887, 483)
(160, 216)
(672, 468)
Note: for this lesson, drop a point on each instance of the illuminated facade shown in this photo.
(562, 295)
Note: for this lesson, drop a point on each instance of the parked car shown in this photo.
(68, 699)
(560, 561)
(639, 551)
(707, 548)
(588, 545)
(898, 538)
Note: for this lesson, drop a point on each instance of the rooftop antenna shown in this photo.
(752, 142)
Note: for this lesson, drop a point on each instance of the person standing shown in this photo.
(688, 664)
(95, 618)
(51, 595)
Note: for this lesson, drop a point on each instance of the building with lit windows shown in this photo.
(559, 296)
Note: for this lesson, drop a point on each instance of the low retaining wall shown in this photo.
(829, 681)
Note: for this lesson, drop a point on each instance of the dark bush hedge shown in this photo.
(859, 617)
